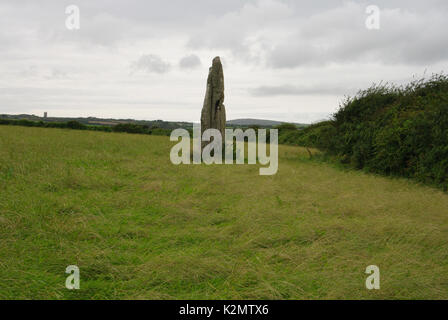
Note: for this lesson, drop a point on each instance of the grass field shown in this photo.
(139, 227)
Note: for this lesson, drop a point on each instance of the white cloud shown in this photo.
(283, 59)
(287, 90)
(150, 63)
(339, 36)
(190, 62)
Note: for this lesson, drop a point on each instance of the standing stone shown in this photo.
(213, 114)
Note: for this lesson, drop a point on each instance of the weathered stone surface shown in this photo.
(213, 114)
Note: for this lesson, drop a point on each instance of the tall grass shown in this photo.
(139, 227)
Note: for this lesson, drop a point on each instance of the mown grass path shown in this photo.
(139, 227)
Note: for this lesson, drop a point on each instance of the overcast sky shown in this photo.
(284, 60)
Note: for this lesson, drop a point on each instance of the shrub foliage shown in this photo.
(122, 127)
(387, 129)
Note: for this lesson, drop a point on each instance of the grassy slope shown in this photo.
(140, 227)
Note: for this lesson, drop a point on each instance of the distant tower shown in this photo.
(45, 115)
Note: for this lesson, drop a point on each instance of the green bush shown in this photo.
(392, 130)
(131, 128)
(286, 127)
(122, 127)
(75, 125)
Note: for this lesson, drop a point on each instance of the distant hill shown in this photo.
(259, 122)
(100, 121)
(149, 123)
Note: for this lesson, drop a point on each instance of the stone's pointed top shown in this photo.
(216, 60)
